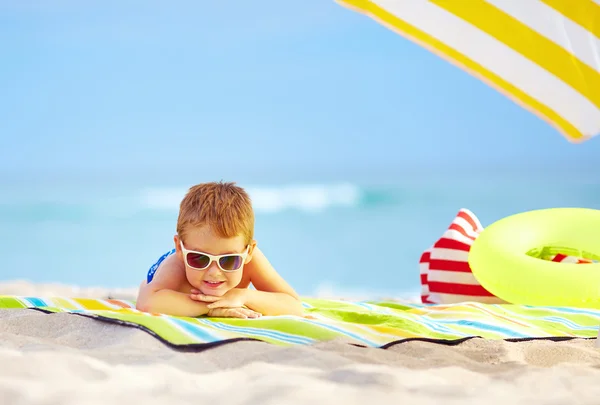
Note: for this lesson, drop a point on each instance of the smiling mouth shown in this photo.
(213, 283)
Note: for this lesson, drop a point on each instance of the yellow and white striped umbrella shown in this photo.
(543, 54)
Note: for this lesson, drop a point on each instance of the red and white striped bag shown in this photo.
(446, 277)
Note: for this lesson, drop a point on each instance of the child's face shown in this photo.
(213, 280)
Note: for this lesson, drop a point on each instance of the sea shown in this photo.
(357, 238)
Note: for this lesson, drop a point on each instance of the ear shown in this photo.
(178, 251)
(250, 251)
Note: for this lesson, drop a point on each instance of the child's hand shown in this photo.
(243, 313)
(233, 298)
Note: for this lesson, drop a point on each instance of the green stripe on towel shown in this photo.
(368, 323)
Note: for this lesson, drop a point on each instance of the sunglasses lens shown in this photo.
(197, 261)
(230, 262)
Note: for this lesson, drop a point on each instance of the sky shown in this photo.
(239, 88)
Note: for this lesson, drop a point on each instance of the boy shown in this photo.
(214, 261)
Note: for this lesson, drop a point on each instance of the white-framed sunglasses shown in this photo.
(201, 261)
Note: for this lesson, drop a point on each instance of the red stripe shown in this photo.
(449, 265)
(460, 289)
(468, 218)
(115, 302)
(447, 243)
(425, 299)
(560, 257)
(425, 257)
(424, 278)
(458, 228)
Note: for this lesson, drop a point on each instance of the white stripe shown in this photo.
(110, 304)
(462, 299)
(556, 27)
(448, 254)
(434, 298)
(424, 268)
(181, 329)
(478, 226)
(499, 59)
(466, 226)
(569, 259)
(48, 301)
(457, 236)
(453, 277)
(74, 303)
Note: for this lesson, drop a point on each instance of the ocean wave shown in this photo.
(163, 202)
(307, 198)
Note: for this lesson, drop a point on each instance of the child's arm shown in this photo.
(273, 303)
(171, 302)
(168, 293)
(273, 295)
(179, 304)
(164, 293)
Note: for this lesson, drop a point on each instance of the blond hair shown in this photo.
(225, 207)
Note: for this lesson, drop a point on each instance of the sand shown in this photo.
(67, 359)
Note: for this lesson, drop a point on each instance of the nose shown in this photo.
(213, 268)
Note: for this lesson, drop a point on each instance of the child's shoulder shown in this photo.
(155, 266)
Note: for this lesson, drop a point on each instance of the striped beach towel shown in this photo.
(446, 276)
(364, 323)
(543, 54)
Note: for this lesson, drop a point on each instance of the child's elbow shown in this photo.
(297, 308)
(144, 301)
(142, 305)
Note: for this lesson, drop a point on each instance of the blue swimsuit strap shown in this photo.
(154, 267)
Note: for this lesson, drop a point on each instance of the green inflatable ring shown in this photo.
(506, 258)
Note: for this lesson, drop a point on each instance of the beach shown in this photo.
(68, 359)
(359, 149)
